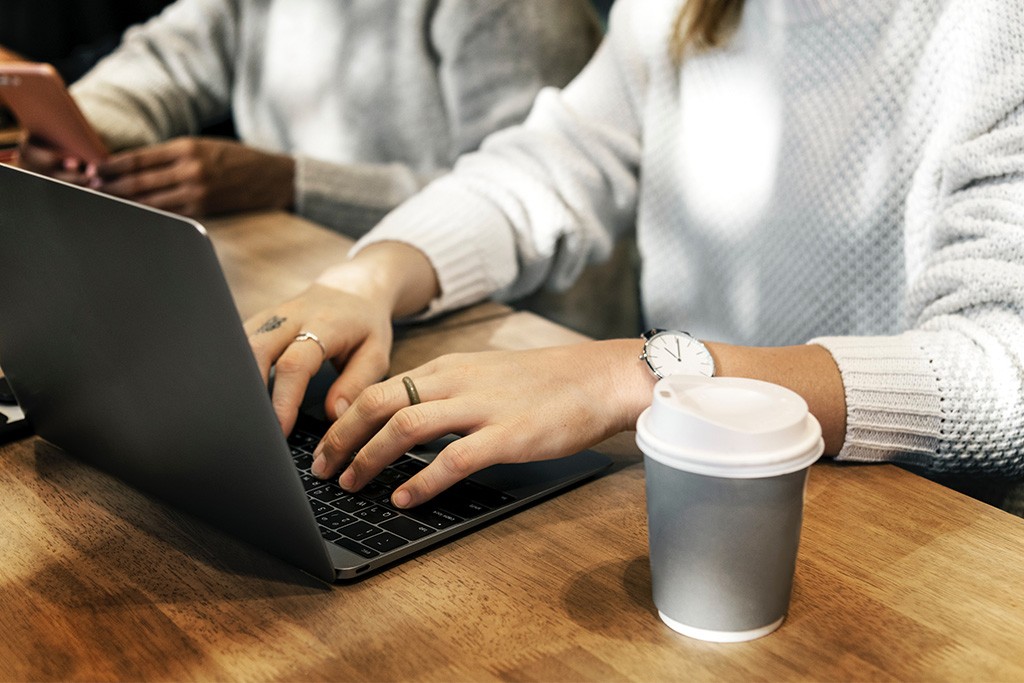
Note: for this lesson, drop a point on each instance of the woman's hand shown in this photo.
(345, 317)
(197, 176)
(511, 406)
(353, 332)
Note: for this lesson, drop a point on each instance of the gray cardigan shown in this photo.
(374, 98)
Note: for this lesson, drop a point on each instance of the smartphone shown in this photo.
(35, 93)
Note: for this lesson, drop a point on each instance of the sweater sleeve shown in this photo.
(492, 59)
(169, 77)
(948, 394)
(539, 200)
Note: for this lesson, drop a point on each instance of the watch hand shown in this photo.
(669, 351)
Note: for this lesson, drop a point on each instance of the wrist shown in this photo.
(631, 383)
(394, 274)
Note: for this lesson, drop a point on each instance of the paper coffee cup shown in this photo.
(726, 462)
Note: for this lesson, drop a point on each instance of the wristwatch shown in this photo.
(671, 352)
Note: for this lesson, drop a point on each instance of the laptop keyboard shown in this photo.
(365, 522)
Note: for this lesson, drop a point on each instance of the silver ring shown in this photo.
(309, 336)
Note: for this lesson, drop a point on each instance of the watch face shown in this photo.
(671, 353)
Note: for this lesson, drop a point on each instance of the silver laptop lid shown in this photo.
(113, 361)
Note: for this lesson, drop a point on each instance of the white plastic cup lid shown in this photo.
(729, 427)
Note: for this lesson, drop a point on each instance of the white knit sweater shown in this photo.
(374, 98)
(845, 172)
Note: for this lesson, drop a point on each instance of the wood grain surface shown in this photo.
(897, 579)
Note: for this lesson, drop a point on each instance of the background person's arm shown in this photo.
(169, 77)
(491, 61)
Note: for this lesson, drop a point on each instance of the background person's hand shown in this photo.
(36, 156)
(198, 176)
(510, 406)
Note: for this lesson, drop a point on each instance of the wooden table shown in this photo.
(898, 578)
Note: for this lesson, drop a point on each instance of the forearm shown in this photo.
(393, 273)
(353, 198)
(168, 77)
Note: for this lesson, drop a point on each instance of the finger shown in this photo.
(269, 335)
(50, 162)
(139, 159)
(140, 183)
(455, 462)
(367, 365)
(73, 177)
(293, 370)
(38, 156)
(180, 199)
(371, 410)
(407, 428)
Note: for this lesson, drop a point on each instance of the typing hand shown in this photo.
(197, 176)
(353, 331)
(345, 317)
(511, 406)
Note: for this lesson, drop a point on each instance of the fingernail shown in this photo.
(401, 498)
(319, 466)
(348, 478)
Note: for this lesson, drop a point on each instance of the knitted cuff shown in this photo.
(466, 238)
(351, 198)
(892, 402)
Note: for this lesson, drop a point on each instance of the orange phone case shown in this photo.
(36, 95)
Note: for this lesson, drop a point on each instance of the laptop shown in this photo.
(122, 343)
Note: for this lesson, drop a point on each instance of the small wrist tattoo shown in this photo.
(272, 324)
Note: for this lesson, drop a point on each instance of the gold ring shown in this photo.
(410, 388)
(309, 336)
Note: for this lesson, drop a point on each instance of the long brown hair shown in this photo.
(703, 24)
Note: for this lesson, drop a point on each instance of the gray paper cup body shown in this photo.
(726, 463)
(723, 551)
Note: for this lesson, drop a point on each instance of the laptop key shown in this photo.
(385, 542)
(336, 519)
(357, 548)
(309, 482)
(409, 466)
(376, 490)
(303, 461)
(376, 514)
(492, 498)
(439, 519)
(350, 503)
(359, 530)
(328, 493)
(459, 504)
(407, 528)
(392, 477)
(319, 508)
(302, 440)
